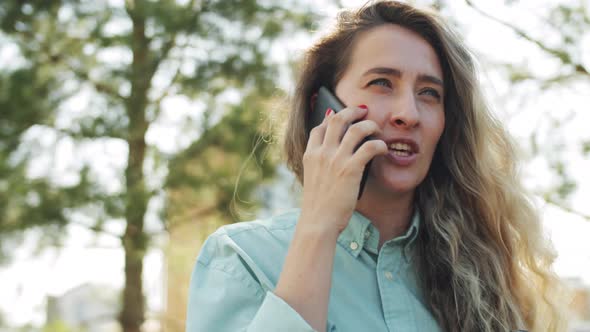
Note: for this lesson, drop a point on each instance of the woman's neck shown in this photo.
(390, 213)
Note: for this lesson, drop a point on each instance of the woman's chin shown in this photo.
(395, 185)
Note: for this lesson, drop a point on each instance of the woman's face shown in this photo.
(398, 76)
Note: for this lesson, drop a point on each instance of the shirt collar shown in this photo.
(360, 233)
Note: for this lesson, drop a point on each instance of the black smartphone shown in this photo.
(324, 100)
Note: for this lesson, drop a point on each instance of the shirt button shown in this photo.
(388, 275)
(354, 245)
(367, 234)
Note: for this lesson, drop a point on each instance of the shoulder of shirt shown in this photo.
(248, 235)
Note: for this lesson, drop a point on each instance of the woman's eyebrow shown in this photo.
(384, 71)
(431, 79)
(399, 73)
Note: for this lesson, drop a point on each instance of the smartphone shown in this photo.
(324, 100)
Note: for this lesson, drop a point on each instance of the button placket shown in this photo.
(389, 275)
(394, 295)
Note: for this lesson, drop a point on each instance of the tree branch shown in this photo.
(168, 89)
(87, 246)
(193, 214)
(166, 48)
(563, 56)
(98, 86)
(80, 135)
(568, 209)
(96, 230)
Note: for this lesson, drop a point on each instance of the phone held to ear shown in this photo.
(324, 100)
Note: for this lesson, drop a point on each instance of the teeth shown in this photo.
(400, 146)
(401, 153)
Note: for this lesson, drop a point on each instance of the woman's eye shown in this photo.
(431, 92)
(381, 81)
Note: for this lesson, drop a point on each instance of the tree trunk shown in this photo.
(135, 240)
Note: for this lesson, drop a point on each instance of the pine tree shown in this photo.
(127, 61)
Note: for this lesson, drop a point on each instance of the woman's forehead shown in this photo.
(396, 47)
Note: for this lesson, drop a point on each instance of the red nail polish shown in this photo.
(363, 106)
(329, 111)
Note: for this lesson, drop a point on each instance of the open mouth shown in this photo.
(401, 149)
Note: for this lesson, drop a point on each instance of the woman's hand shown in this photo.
(333, 169)
(331, 180)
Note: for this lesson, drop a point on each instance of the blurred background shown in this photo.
(130, 130)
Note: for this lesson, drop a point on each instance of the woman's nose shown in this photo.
(404, 113)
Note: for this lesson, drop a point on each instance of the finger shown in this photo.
(317, 133)
(368, 151)
(339, 122)
(356, 133)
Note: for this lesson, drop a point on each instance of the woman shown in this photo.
(442, 238)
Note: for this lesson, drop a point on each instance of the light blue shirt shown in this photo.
(372, 290)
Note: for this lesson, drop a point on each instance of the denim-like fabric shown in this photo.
(239, 265)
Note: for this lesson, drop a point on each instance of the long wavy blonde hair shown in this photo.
(482, 258)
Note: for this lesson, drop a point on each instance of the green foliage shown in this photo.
(228, 162)
(572, 21)
(63, 44)
(559, 40)
(94, 73)
(57, 326)
(566, 186)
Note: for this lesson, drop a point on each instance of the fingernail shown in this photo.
(329, 111)
(363, 106)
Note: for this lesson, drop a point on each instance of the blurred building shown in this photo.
(88, 307)
(91, 308)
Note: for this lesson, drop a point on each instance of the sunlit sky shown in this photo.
(27, 281)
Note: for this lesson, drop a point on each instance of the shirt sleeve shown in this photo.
(224, 296)
(276, 315)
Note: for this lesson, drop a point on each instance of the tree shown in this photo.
(126, 62)
(567, 24)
